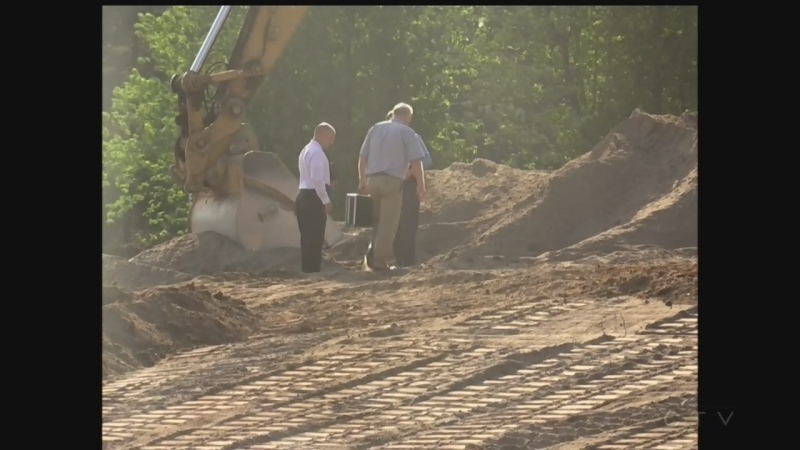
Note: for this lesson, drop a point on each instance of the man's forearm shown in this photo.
(362, 167)
(419, 173)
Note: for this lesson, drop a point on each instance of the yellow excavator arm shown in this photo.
(237, 190)
(206, 137)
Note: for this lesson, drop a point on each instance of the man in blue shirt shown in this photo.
(405, 240)
(389, 150)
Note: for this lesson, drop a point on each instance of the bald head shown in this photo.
(403, 112)
(324, 128)
(325, 134)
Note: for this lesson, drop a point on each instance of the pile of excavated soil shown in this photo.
(638, 186)
(465, 200)
(134, 276)
(211, 253)
(476, 191)
(669, 222)
(140, 328)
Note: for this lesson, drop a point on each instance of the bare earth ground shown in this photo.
(551, 311)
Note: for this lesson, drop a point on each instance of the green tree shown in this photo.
(139, 131)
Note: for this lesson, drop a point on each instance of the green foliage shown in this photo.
(139, 131)
(137, 157)
(120, 49)
(529, 86)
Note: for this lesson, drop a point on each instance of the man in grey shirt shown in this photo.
(405, 239)
(388, 150)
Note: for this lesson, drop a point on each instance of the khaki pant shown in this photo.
(386, 192)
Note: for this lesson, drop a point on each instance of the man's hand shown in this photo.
(420, 192)
(328, 208)
(363, 186)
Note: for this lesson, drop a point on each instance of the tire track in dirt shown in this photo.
(284, 417)
(515, 318)
(498, 387)
(684, 436)
(391, 392)
(661, 435)
(278, 388)
(558, 385)
(290, 419)
(412, 386)
(640, 426)
(449, 407)
(541, 409)
(175, 380)
(335, 367)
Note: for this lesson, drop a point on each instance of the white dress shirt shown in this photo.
(315, 170)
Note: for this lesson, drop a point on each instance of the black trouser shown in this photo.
(311, 219)
(405, 240)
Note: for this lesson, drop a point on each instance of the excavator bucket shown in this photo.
(258, 212)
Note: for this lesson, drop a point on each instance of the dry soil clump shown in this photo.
(140, 328)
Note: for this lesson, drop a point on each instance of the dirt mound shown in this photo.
(140, 328)
(475, 191)
(210, 253)
(135, 276)
(637, 186)
(669, 222)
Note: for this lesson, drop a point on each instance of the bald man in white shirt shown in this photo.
(313, 203)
